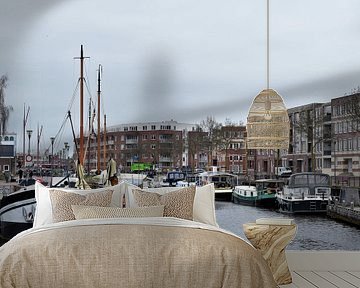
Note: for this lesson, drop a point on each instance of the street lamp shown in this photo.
(52, 139)
(29, 135)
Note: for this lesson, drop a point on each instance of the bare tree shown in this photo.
(4, 110)
(226, 138)
(213, 130)
(310, 124)
(197, 143)
(352, 111)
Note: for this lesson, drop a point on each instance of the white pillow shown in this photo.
(204, 205)
(43, 212)
(94, 212)
(204, 202)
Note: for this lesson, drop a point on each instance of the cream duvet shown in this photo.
(137, 252)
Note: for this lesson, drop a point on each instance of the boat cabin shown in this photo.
(309, 185)
(221, 180)
(269, 186)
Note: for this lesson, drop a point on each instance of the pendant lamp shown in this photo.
(268, 125)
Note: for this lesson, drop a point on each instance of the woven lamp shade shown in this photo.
(268, 123)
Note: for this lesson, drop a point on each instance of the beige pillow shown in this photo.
(61, 202)
(177, 204)
(204, 202)
(93, 212)
(43, 213)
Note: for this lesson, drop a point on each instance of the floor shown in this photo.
(324, 269)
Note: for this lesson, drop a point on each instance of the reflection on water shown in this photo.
(315, 232)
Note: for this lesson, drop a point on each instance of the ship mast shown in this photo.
(104, 142)
(81, 155)
(98, 124)
(81, 145)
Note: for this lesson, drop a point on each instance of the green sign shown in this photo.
(141, 166)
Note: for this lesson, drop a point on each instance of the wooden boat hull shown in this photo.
(258, 201)
(238, 199)
(17, 213)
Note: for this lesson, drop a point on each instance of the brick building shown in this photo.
(163, 144)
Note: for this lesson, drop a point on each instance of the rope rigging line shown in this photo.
(88, 90)
(61, 129)
(89, 134)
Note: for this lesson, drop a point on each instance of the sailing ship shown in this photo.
(17, 209)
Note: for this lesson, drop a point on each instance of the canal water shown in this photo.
(315, 232)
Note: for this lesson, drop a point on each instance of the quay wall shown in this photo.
(346, 214)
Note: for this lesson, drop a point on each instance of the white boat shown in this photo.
(17, 209)
(305, 193)
(224, 183)
(132, 178)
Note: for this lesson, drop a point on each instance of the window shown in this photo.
(319, 163)
(126, 128)
(354, 126)
(153, 137)
(350, 142)
(144, 136)
(345, 148)
(153, 146)
(144, 128)
(133, 128)
(6, 168)
(131, 137)
(153, 127)
(342, 109)
(354, 143)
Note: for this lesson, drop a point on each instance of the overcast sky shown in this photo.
(174, 59)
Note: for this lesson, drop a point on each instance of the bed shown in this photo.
(132, 247)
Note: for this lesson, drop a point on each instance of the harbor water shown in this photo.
(314, 232)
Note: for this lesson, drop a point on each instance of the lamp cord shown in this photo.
(268, 47)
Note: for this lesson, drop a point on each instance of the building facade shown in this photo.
(346, 135)
(231, 153)
(7, 153)
(325, 137)
(161, 144)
